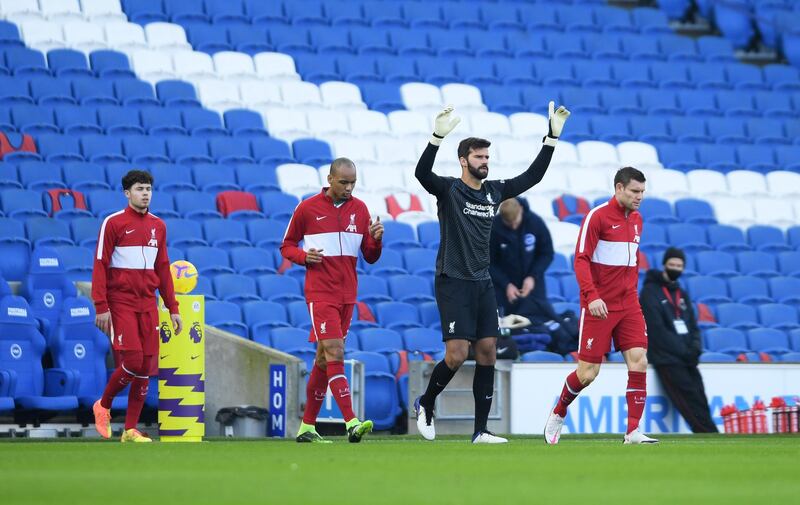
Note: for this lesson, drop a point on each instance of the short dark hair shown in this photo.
(136, 177)
(627, 174)
(471, 143)
(340, 162)
(673, 252)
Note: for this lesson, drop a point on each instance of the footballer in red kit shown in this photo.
(607, 269)
(131, 262)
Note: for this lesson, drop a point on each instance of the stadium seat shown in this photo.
(768, 340)
(226, 316)
(690, 237)
(757, 263)
(716, 357)
(657, 211)
(236, 288)
(709, 290)
(778, 316)
(785, 290)
(209, 261)
(423, 340)
(397, 316)
(380, 340)
(726, 340)
(78, 262)
(691, 210)
(749, 289)
(36, 389)
(736, 316)
(381, 405)
(541, 357)
(727, 238)
(410, 289)
(279, 288)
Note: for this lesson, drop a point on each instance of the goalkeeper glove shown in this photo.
(556, 119)
(444, 124)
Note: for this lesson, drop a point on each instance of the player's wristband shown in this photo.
(550, 141)
(436, 140)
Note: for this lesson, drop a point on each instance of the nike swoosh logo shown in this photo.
(321, 218)
(195, 357)
(501, 350)
(614, 227)
(129, 231)
(490, 397)
(164, 356)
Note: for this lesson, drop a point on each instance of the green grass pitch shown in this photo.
(387, 470)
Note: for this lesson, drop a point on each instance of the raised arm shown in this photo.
(444, 124)
(535, 172)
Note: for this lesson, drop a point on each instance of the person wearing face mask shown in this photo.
(674, 341)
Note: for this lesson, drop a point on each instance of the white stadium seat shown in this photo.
(734, 211)
(375, 202)
(125, 36)
(393, 151)
(254, 94)
(219, 95)
(21, 10)
(302, 95)
(565, 156)
(408, 123)
(746, 182)
(596, 154)
(551, 186)
(286, 124)
(421, 96)
(61, 10)
(513, 152)
(276, 66)
(327, 123)
(464, 97)
(705, 183)
(102, 10)
(527, 125)
(298, 179)
(416, 218)
(589, 183)
(84, 36)
(368, 124)
(639, 155)
(42, 35)
(667, 183)
(341, 96)
(192, 65)
(237, 66)
(565, 235)
(489, 125)
(166, 36)
(783, 183)
(541, 206)
(775, 211)
(380, 178)
(358, 150)
(152, 65)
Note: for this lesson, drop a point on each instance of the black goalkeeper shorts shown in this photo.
(468, 309)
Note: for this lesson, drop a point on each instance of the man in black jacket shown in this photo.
(674, 341)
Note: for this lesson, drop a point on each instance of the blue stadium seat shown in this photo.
(614, 20)
(102, 149)
(727, 238)
(52, 390)
(9, 35)
(78, 262)
(677, 48)
(310, 13)
(48, 232)
(397, 315)
(709, 290)
(22, 62)
(120, 121)
(758, 263)
(657, 211)
(163, 122)
(691, 237)
(226, 316)
(399, 236)
(423, 340)
(716, 357)
(13, 90)
(278, 205)
(225, 233)
(76, 120)
(700, 102)
(734, 22)
(271, 152)
(767, 238)
(184, 233)
(203, 123)
(312, 151)
(726, 340)
(112, 65)
(779, 316)
(244, 123)
(789, 263)
(279, 288)
(390, 263)
(380, 340)
(289, 339)
(758, 158)
(34, 120)
(553, 285)
(299, 316)
(749, 289)
(621, 102)
(373, 289)
(410, 289)
(420, 261)
(782, 77)
(708, 76)
(586, 101)
(716, 49)
(46, 286)
(647, 128)
(541, 357)
(250, 40)
(768, 340)
(185, 11)
(85, 231)
(236, 288)
(768, 131)
(718, 157)
(21, 203)
(429, 315)
(692, 210)
(215, 178)
(196, 205)
(40, 175)
(736, 316)
(785, 290)
(716, 264)
(59, 148)
(174, 93)
(144, 11)
(252, 261)
(262, 317)
(266, 233)
(671, 75)
(51, 91)
(209, 261)
(103, 202)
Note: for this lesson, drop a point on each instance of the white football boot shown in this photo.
(487, 437)
(637, 437)
(552, 429)
(425, 427)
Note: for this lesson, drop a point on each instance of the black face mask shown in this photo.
(673, 274)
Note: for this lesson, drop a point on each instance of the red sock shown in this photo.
(572, 386)
(118, 381)
(136, 397)
(340, 389)
(316, 389)
(636, 395)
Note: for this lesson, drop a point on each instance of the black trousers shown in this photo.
(684, 386)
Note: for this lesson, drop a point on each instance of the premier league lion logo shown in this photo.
(165, 332)
(196, 333)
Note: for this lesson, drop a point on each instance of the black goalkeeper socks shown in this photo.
(439, 379)
(483, 392)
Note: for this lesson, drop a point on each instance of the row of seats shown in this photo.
(725, 238)
(745, 289)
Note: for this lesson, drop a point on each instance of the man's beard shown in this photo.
(475, 171)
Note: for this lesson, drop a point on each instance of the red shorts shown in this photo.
(329, 320)
(135, 331)
(625, 327)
